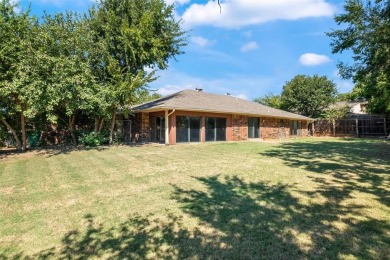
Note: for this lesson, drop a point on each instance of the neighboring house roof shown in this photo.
(191, 100)
(355, 107)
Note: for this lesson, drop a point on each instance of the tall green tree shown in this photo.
(271, 100)
(20, 83)
(308, 95)
(73, 86)
(366, 32)
(130, 36)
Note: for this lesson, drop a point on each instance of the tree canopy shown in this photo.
(366, 32)
(308, 95)
(132, 35)
(67, 64)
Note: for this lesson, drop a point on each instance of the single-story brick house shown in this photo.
(196, 116)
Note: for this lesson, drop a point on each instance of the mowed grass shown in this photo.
(299, 199)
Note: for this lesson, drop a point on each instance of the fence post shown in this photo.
(357, 127)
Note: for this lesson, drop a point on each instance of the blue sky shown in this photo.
(251, 48)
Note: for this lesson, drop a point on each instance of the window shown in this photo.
(253, 127)
(215, 129)
(187, 129)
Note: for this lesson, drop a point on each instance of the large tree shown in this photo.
(308, 95)
(366, 32)
(131, 35)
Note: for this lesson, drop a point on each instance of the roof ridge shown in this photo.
(160, 98)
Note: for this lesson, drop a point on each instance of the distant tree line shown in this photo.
(68, 65)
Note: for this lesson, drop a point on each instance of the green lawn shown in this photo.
(308, 198)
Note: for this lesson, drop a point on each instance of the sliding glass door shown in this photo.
(253, 127)
(215, 129)
(295, 128)
(188, 129)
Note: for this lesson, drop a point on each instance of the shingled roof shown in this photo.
(191, 100)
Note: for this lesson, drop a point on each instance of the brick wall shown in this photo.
(145, 127)
(273, 128)
(286, 128)
(239, 127)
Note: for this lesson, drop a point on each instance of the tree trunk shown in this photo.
(15, 135)
(96, 128)
(99, 122)
(312, 129)
(101, 125)
(112, 127)
(23, 127)
(72, 128)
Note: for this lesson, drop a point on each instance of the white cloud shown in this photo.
(200, 41)
(312, 59)
(240, 13)
(148, 69)
(181, 2)
(250, 46)
(17, 8)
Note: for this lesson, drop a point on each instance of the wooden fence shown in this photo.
(354, 126)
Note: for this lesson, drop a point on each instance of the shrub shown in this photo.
(93, 139)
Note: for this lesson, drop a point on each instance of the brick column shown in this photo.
(239, 127)
(145, 127)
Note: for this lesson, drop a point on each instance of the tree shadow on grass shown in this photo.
(50, 151)
(234, 220)
(345, 167)
(137, 238)
(264, 221)
(322, 157)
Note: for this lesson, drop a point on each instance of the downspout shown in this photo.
(167, 125)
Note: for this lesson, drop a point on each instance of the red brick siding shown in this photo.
(239, 127)
(273, 128)
(145, 127)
